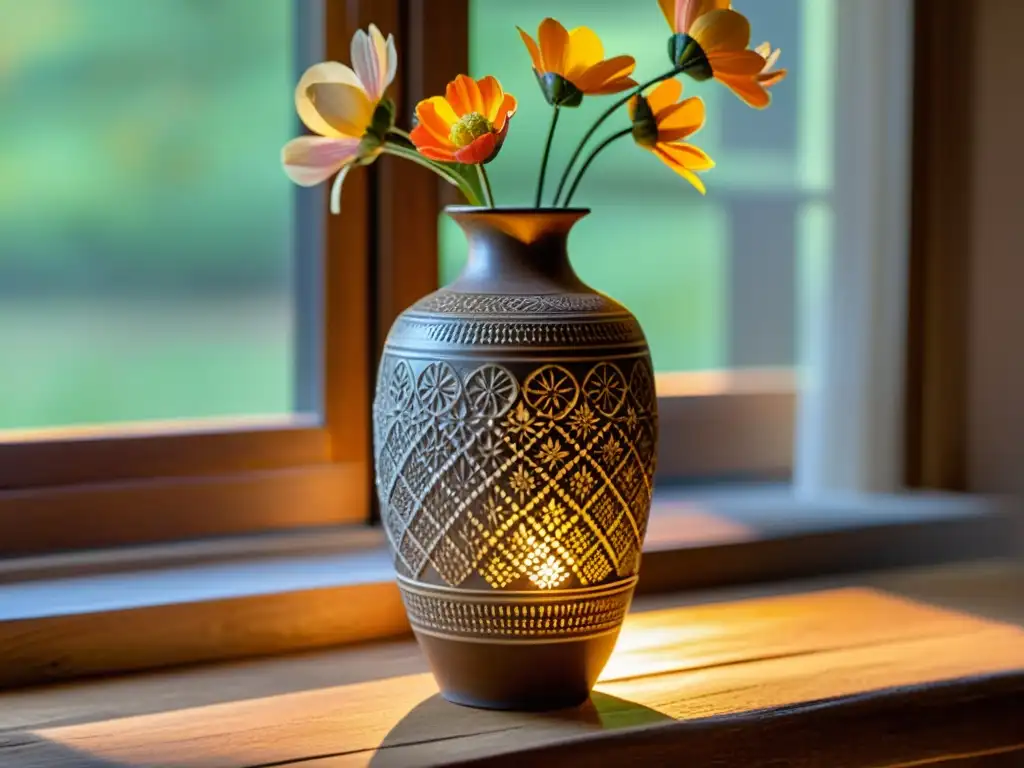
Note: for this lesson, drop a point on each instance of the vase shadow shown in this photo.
(27, 750)
(436, 727)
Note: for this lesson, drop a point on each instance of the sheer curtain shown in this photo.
(849, 431)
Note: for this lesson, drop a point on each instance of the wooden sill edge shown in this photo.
(962, 721)
(217, 610)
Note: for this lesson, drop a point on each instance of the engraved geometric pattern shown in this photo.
(453, 302)
(464, 332)
(489, 480)
(568, 615)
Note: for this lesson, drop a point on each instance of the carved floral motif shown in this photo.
(490, 480)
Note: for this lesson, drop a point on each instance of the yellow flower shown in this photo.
(341, 106)
(661, 123)
(466, 125)
(571, 64)
(711, 41)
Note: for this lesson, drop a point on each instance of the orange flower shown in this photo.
(680, 14)
(661, 123)
(711, 41)
(466, 125)
(571, 64)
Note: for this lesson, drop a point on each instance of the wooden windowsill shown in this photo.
(87, 614)
(897, 669)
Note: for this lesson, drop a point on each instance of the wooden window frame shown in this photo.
(74, 489)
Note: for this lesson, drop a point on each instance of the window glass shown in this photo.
(146, 256)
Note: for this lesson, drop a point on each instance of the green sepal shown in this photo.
(383, 120)
(645, 125)
(471, 177)
(686, 53)
(369, 147)
(558, 91)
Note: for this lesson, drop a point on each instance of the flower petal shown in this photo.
(771, 58)
(585, 50)
(505, 112)
(768, 79)
(463, 95)
(392, 61)
(747, 88)
(614, 86)
(479, 151)
(688, 114)
(325, 72)
(721, 30)
(554, 45)
(604, 72)
(422, 138)
(380, 50)
(366, 65)
(687, 155)
(309, 160)
(688, 11)
(441, 155)
(491, 96)
(736, 63)
(436, 115)
(345, 108)
(531, 46)
(668, 8)
(680, 167)
(664, 95)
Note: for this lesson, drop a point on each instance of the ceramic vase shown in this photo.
(515, 429)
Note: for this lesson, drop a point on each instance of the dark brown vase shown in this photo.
(514, 436)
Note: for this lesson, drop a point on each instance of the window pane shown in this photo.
(715, 281)
(146, 252)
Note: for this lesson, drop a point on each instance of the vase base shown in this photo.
(517, 675)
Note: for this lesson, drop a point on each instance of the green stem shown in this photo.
(404, 139)
(607, 113)
(440, 169)
(486, 183)
(544, 160)
(593, 155)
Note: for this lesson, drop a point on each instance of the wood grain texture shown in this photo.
(842, 677)
(348, 251)
(79, 518)
(78, 455)
(938, 319)
(166, 635)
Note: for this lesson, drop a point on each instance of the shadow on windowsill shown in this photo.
(26, 750)
(500, 730)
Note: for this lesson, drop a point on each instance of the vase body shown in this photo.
(515, 428)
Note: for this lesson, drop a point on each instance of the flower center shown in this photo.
(469, 128)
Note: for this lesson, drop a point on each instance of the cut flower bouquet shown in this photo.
(456, 134)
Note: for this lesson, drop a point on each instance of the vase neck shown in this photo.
(518, 251)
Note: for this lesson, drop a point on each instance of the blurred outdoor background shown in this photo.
(146, 228)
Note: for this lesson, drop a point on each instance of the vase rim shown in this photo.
(480, 210)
